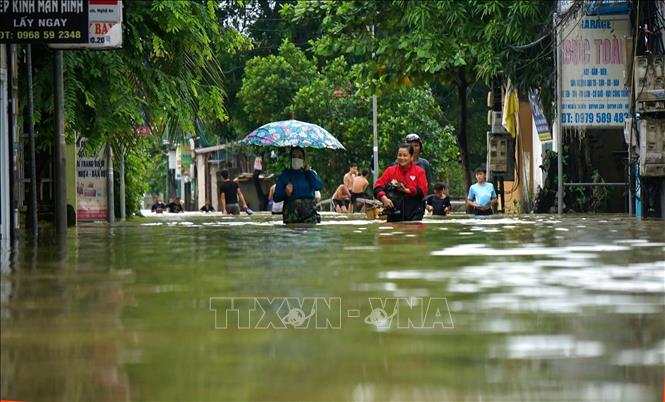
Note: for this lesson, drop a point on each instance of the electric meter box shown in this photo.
(501, 155)
(649, 83)
(494, 120)
(652, 147)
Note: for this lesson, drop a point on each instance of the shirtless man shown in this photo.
(358, 188)
(341, 199)
(348, 178)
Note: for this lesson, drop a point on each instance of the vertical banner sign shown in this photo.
(186, 159)
(178, 162)
(91, 200)
(43, 21)
(593, 54)
(542, 127)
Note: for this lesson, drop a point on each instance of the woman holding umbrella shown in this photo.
(296, 187)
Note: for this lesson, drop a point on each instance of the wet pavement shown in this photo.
(528, 308)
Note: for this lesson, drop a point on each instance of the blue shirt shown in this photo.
(482, 194)
(305, 183)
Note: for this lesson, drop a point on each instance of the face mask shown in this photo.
(297, 163)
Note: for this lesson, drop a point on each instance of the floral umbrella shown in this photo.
(291, 133)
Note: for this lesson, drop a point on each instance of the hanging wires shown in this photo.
(550, 29)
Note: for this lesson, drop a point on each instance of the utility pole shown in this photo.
(5, 203)
(60, 177)
(109, 183)
(375, 140)
(121, 172)
(32, 201)
(375, 131)
(559, 128)
(11, 124)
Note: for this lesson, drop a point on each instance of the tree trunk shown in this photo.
(462, 86)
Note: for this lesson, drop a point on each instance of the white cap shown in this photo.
(412, 137)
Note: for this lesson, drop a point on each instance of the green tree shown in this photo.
(263, 29)
(452, 42)
(331, 100)
(166, 72)
(271, 82)
(166, 75)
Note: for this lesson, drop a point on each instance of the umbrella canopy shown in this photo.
(291, 133)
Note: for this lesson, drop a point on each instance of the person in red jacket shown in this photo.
(402, 187)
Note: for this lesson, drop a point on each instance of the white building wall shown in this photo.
(201, 179)
(537, 159)
(214, 192)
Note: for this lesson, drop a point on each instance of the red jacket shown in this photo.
(413, 178)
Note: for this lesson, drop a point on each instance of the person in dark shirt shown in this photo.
(414, 140)
(176, 206)
(439, 202)
(297, 187)
(229, 194)
(158, 207)
(207, 207)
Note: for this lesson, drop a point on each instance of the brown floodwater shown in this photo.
(190, 307)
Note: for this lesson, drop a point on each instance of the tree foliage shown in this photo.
(401, 42)
(166, 75)
(270, 83)
(332, 101)
(215, 70)
(168, 64)
(264, 30)
(432, 40)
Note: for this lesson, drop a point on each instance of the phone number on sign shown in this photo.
(37, 35)
(593, 118)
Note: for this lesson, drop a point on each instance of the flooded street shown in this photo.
(531, 308)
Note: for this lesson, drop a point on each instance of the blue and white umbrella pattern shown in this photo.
(291, 133)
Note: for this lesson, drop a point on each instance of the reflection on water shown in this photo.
(544, 308)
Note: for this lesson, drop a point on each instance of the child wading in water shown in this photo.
(439, 203)
(481, 194)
